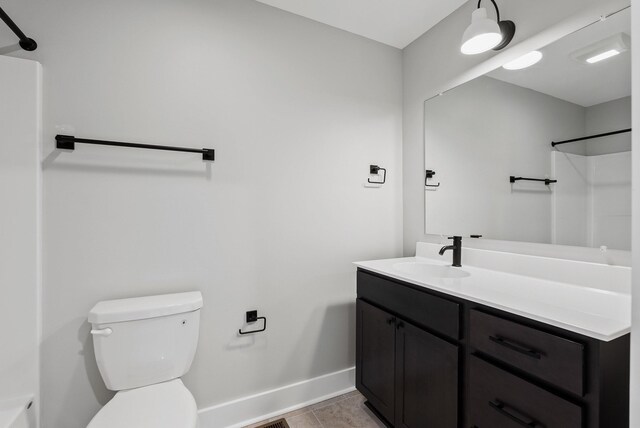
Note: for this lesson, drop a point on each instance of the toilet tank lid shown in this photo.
(139, 308)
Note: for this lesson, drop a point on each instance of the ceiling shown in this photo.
(393, 22)
(560, 76)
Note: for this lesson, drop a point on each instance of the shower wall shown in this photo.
(19, 226)
(592, 201)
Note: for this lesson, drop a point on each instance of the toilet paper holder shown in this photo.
(252, 317)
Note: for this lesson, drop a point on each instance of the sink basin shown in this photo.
(430, 270)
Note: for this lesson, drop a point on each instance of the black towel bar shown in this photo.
(67, 142)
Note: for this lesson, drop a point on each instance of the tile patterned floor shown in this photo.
(345, 411)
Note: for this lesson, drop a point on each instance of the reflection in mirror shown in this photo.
(487, 137)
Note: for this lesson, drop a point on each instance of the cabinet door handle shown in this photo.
(391, 320)
(400, 325)
(514, 414)
(516, 347)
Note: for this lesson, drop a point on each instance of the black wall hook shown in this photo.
(375, 169)
(252, 316)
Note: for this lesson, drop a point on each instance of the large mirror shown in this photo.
(491, 168)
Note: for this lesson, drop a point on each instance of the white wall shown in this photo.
(479, 134)
(20, 186)
(296, 112)
(635, 315)
(434, 60)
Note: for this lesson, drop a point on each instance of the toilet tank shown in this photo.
(145, 340)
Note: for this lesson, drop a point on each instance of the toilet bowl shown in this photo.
(165, 405)
(143, 346)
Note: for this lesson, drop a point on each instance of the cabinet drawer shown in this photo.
(417, 306)
(500, 399)
(551, 358)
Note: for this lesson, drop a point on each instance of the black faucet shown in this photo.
(457, 250)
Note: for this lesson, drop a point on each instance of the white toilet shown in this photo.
(143, 346)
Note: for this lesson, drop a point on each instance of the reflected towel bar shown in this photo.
(546, 181)
(590, 137)
(67, 142)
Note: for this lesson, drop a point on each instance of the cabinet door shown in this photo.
(426, 379)
(375, 357)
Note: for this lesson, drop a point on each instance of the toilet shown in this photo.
(143, 346)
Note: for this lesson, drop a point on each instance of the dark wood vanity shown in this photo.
(428, 360)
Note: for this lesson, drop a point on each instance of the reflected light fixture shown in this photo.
(526, 60)
(603, 49)
(603, 56)
(485, 34)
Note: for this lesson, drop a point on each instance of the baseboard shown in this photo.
(258, 407)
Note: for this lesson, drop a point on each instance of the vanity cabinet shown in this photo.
(425, 359)
(408, 375)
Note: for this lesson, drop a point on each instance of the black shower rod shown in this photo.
(590, 137)
(25, 42)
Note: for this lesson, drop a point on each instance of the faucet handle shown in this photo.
(457, 241)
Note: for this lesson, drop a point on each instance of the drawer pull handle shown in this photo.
(516, 347)
(514, 414)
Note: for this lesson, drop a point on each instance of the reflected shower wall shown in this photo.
(592, 205)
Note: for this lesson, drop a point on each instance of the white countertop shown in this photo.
(599, 313)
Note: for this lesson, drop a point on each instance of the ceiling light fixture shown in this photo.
(526, 60)
(485, 34)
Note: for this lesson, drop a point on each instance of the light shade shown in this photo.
(526, 60)
(482, 35)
